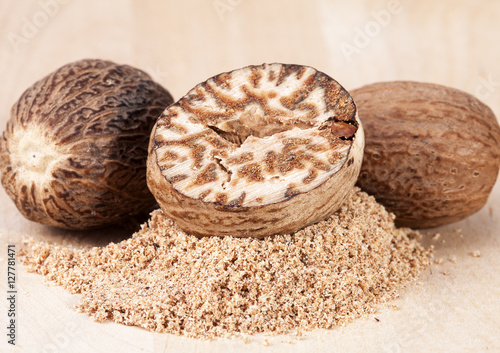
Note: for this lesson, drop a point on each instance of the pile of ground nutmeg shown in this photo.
(165, 280)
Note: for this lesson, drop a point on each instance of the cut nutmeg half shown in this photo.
(257, 151)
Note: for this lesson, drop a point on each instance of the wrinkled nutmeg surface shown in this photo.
(432, 153)
(74, 152)
(246, 152)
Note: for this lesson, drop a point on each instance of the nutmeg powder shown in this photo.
(165, 280)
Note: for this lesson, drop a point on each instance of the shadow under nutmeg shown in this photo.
(99, 237)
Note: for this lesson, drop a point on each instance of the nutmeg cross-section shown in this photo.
(257, 136)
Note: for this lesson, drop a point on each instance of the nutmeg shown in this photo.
(261, 150)
(74, 152)
(432, 153)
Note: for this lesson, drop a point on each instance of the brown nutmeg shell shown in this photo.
(74, 152)
(432, 153)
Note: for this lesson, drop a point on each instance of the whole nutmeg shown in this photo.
(257, 151)
(74, 152)
(432, 153)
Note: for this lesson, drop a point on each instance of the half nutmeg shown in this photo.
(257, 151)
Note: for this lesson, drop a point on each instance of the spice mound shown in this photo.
(165, 280)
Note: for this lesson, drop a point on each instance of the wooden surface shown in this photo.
(181, 43)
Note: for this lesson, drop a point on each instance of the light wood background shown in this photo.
(181, 43)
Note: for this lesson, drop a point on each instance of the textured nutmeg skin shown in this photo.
(74, 152)
(432, 153)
